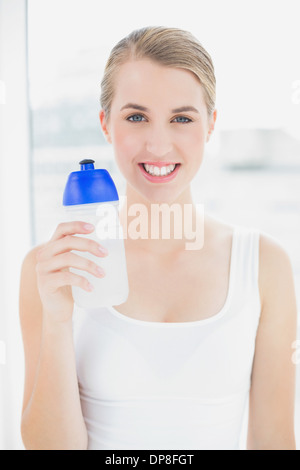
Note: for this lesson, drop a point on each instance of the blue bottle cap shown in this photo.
(89, 185)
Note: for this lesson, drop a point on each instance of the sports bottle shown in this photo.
(91, 196)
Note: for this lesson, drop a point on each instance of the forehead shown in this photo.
(146, 82)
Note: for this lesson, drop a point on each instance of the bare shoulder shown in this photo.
(271, 250)
(276, 278)
(218, 231)
(275, 268)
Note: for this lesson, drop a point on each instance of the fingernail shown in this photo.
(102, 250)
(90, 287)
(100, 271)
(88, 227)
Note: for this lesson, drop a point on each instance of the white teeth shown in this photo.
(156, 171)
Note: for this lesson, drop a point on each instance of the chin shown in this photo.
(165, 193)
(161, 195)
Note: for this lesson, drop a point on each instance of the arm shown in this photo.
(52, 417)
(272, 394)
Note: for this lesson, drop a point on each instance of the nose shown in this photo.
(158, 142)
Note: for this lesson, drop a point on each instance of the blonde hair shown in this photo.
(171, 47)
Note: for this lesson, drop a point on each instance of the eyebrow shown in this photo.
(146, 110)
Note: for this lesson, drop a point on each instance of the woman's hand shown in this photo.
(54, 278)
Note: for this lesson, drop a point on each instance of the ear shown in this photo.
(104, 126)
(211, 124)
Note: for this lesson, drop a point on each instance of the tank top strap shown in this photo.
(247, 255)
(246, 266)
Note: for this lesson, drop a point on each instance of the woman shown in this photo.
(201, 330)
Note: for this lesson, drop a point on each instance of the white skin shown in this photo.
(158, 134)
(52, 416)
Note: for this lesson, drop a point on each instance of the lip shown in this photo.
(160, 179)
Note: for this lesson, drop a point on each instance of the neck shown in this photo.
(160, 227)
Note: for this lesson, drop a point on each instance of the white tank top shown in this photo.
(151, 385)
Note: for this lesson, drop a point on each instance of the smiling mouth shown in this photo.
(161, 170)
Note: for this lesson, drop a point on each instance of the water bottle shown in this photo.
(91, 196)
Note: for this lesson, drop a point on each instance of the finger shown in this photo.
(66, 278)
(69, 259)
(71, 242)
(70, 228)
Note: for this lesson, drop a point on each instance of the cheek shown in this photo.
(126, 144)
(192, 142)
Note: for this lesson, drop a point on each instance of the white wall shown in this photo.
(15, 234)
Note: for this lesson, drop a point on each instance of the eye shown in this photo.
(182, 120)
(135, 118)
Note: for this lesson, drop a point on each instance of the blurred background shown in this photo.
(52, 56)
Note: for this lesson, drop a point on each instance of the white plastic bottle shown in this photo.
(91, 196)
